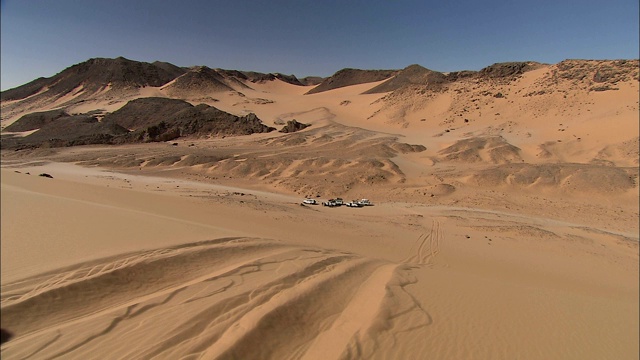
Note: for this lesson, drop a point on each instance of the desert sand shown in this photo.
(472, 250)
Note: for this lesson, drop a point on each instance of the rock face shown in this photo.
(293, 126)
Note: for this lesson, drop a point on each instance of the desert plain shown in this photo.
(504, 222)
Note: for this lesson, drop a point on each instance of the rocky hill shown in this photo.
(178, 118)
(64, 130)
(258, 77)
(348, 77)
(512, 102)
(35, 120)
(199, 80)
(140, 120)
(411, 75)
(95, 75)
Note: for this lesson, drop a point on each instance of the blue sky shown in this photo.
(42, 38)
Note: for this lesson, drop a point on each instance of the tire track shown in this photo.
(427, 246)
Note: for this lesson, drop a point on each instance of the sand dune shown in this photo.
(388, 281)
(235, 290)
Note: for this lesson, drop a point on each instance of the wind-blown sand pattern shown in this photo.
(238, 291)
(504, 225)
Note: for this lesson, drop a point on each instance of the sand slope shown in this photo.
(389, 281)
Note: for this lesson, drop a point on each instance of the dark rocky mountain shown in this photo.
(257, 77)
(411, 75)
(97, 74)
(93, 75)
(348, 77)
(26, 90)
(199, 79)
(416, 75)
(311, 80)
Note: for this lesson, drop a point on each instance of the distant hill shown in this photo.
(411, 75)
(97, 74)
(120, 74)
(348, 77)
(201, 80)
(416, 75)
(311, 80)
(258, 77)
(137, 101)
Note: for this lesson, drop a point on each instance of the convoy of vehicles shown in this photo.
(339, 202)
(330, 203)
(354, 204)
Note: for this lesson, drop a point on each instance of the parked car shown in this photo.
(339, 201)
(354, 203)
(310, 202)
(365, 202)
(330, 202)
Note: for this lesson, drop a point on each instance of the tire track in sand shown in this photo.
(427, 246)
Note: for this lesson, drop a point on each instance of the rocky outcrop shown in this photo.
(140, 120)
(411, 76)
(35, 120)
(508, 69)
(67, 131)
(293, 126)
(257, 77)
(145, 112)
(348, 77)
(198, 80)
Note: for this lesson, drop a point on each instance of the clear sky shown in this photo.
(319, 37)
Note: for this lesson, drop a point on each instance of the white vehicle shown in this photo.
(339, 201)
(310, 202)
(330, 203)
(364, 202)
(354, 204)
